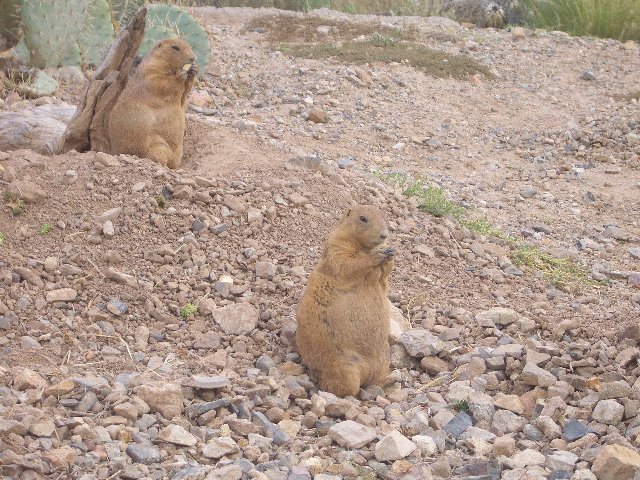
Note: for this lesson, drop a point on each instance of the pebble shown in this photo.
(350, 434)
(236, 319)
(394, 446)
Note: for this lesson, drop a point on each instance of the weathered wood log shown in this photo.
(87, 129)
(36, 128)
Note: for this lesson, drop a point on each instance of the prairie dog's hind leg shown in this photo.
(341, 379)
(159, 151)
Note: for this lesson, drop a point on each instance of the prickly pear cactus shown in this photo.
(98, 33)
(168, 21)
(10, 20)
(122, 10)
(51, 30)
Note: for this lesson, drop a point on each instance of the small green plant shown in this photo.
(1, 239)
(188, 310)
(563, 273)
(45, 229)
(461, 406)
(161, 200)
(484, 227)
(380, 40)
(434, 200)
(16, 205)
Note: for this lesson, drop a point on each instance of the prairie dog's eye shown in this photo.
(175, 47)
(363, 219)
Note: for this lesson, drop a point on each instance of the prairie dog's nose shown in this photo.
(384, 235)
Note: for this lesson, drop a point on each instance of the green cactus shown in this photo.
(51, 30)
(122, 10)
(10, 20)
(168, 21)
(98, 33)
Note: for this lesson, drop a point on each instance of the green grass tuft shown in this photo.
(188, 310)
(563, 273)
(461, 406)
(45, 229)
(2, 239)
(483, 226)
(617, 19)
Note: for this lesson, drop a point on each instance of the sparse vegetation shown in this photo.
(188, 310)
(161, 200)
(629, 97)
(434, 63)
(432, 199)
(1, 239)
(16, 205)
(461, 405)
(45, 229)
(484, 227)
(617, 19)
(287, 28)
(563, 273)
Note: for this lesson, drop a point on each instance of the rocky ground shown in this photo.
(147, 314)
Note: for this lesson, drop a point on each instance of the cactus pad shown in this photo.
(98, 33)
(51, 30)
(168, 21)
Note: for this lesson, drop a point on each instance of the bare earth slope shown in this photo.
(108, 371)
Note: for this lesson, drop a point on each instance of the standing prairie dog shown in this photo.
(148, 118)
(343, 315)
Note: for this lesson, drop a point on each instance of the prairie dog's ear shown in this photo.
(158, 44)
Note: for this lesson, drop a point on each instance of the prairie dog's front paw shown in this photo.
(384, 252)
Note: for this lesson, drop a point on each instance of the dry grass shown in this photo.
(628, 97)
(432, 62)
(289, 28)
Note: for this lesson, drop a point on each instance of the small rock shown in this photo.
(117, 307)
(534, 375)
(266, 270)
(562, 460)
(615, 462)
(206, 383)
(574, 429)
(177, 435)
(587, 75)
(146, 454)
(617, 389)
(458, 424)
(394, 446)
(28, 379)
(164, 398)
(528, 458)
(108, 230)
(608, 412)
(318, 116)
(498, 315)
(421, 343)
(236, 319)
(62, 295)
(350, 434)
(219, 447)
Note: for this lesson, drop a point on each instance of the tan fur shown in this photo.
(343, 315)
(148, 118)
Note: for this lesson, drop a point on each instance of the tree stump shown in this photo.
(87, 129)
